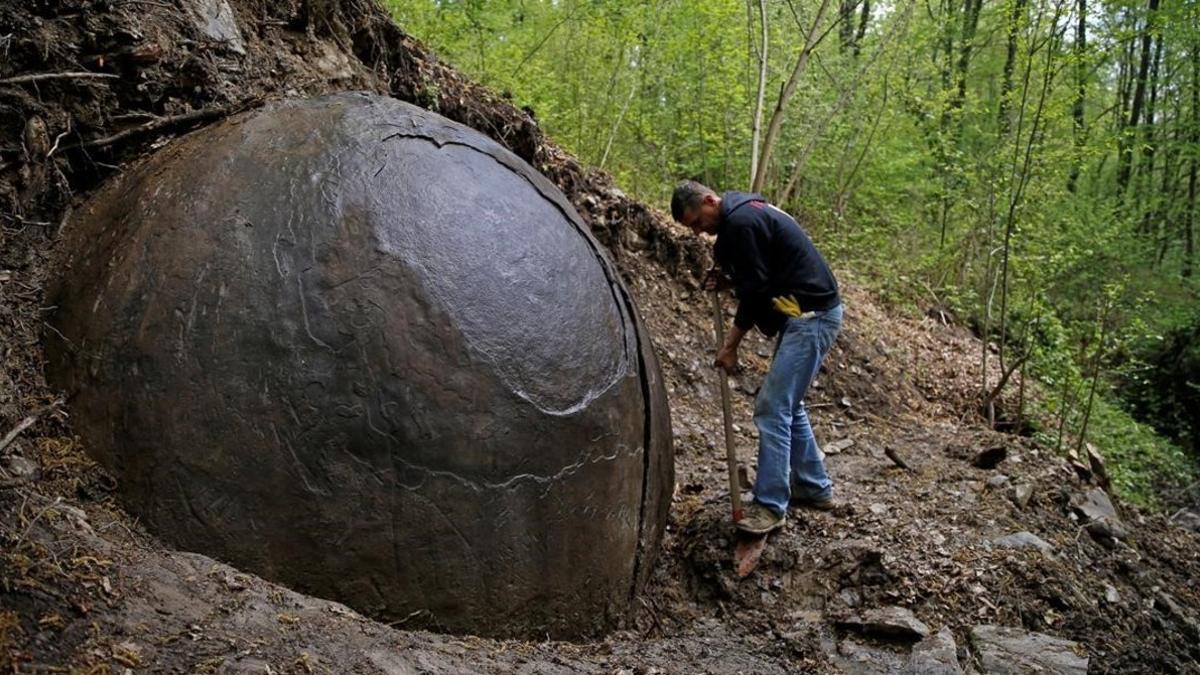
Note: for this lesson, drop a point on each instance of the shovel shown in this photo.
(749, 546)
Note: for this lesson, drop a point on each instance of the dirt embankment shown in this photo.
(1025, 544)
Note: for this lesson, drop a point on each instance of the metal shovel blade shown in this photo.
(748, 551)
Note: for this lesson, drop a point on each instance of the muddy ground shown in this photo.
(84, 588)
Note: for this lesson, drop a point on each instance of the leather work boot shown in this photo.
(758, 519)
(819, 503)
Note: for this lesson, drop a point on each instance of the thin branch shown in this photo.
(36, 518)
(40, 77)
(161, 124)
(542, 42)
(773, 127)
(1087, 411)
(637, 81)
(58, 139)
(762, 88)
(26, 423)
(1008, 373)
(843, 99)
(848, 185)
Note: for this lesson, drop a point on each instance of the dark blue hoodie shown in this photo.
(768, 254)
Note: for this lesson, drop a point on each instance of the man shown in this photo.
(784, 287)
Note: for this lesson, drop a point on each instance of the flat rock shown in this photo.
(1097, 465)
(1024, 540)
(1100, 516)
(1020, 494)
(935, 655)
(1107, 528)
(888, 622)
(217, 21)
(19, 467)
(1011, 650)
(998, 481)
(1095, 505)
(1188, 520)
(853, 656)
(838, 446)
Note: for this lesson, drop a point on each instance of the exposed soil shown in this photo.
(83, 587)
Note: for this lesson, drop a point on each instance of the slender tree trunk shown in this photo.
(1125, 79)
(1010, 62)
(965, 45)
(864, 18)
(1017, 189)
(1020, 423)
(762, 89)
(1126, 139)
(846, 187)
(811, 39)
(846, 27)
(1087, 410)
(948, 63)
(1150, 136)
(948, 25)
(706, 169)
(949, 12)
(614, 78)
(643, 58)
(1165, 210)
(1064, 411)
(1189, 230)
(990, 280)
(899, 26)
(1078, 113)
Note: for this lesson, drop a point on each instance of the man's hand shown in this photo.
(714, 280)
(727, 359)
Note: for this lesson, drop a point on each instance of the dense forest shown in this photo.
(1027, 167)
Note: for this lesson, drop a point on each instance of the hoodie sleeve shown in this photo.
(746, 255)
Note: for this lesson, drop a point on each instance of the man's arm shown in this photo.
(748, 236)
(727, 354)
(744, 244)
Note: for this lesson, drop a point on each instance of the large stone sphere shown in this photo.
(367, 352)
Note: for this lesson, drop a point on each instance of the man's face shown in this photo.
(703, 217)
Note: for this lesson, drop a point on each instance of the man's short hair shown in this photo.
(687, 196)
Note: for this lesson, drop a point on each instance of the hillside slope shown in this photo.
(82, 586)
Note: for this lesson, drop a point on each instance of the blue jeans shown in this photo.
(785, 438)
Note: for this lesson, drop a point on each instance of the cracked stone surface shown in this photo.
(1024, 540)
(362, 350)
(218, 22)
(935, 654)
(888, 622)
(1002, 649)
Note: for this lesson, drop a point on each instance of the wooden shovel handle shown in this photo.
(735, 494)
